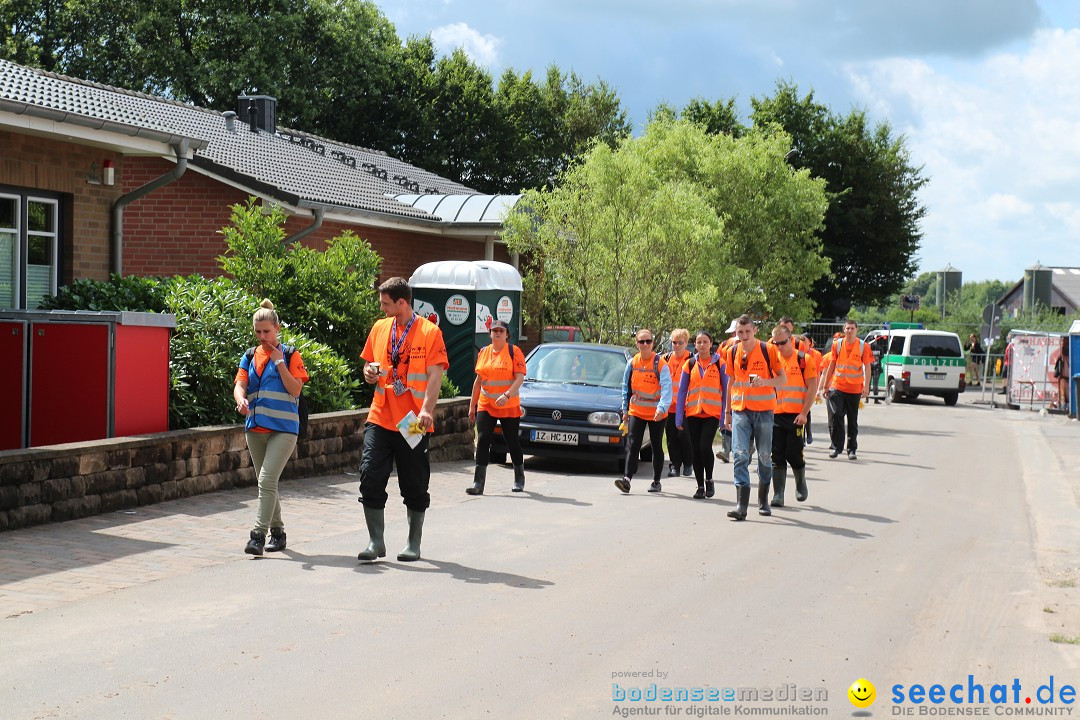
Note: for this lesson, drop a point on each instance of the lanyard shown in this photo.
(396, 343)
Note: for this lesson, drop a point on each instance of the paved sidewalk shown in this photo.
(51, 565)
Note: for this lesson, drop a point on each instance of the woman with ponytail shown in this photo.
(266, 390)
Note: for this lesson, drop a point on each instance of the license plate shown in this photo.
(935, 376)
(559, 438)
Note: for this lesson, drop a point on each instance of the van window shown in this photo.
(935, 346)
(897, 346)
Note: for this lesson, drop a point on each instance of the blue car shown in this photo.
(572, 397)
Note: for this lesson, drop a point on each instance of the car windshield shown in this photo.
(576, 365)
(935, 346)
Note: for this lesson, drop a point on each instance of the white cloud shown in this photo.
(1000, 142)
(481, 49)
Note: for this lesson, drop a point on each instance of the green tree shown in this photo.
(716, 117)
(871, 234)
(677, 227)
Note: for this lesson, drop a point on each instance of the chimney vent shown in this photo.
(230, 120)
(265, 108)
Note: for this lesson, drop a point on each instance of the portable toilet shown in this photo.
(463, 297)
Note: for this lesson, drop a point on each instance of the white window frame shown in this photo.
(54, 234)
(16, 258)
(22, 238)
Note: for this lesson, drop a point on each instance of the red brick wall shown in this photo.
(34, 163)
(174, 230)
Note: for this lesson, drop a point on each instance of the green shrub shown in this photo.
(328, 295)
(213, 332)
(448, 389)
(131, 293)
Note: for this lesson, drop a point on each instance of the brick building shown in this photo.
(97, 179)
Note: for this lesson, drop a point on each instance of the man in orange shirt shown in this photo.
(792, 415)
(756, 371)
(406, 358)
(847, 381)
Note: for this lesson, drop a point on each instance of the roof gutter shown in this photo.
(300, 234)
(116, 243)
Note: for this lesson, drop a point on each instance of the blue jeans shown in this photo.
(759, 425)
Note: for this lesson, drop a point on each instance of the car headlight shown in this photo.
(611, 419)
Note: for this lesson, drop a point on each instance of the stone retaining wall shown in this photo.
(62, 482)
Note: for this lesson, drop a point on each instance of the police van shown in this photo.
(923, 362)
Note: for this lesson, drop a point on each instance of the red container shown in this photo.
(94, 375)
(13, 402)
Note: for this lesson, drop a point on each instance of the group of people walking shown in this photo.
(760, 393)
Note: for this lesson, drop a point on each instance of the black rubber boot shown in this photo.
(779, 478)
(710, 488)
(416, 530)
(479, 478)
(763, 498)
(801, 493)
(519, 478)
(375, 525)
(742, 501)
(277, 540)
(256, 543)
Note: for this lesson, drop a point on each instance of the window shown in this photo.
(936, 346)
(29, 249)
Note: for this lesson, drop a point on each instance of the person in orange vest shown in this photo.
(500, 370)
(406, 358)
(724, 453)
(847, 383)
(813, 351)
(756, 372)
(700, 408)
(826, 363)
(646, 399)
(792, 416)
(680, 452)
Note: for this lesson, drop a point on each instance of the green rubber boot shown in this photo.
(416, 530)
(801, 492)
(779, 478)
(375, 525)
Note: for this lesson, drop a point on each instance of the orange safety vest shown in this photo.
(496, 372)
(801, 370)
(849, 359)
(645, 386)
(676, 369)
(424, 346)
(704, 392)
(761, 360)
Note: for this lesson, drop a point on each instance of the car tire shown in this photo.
(951, 398)
(894, 391)
(497, 457)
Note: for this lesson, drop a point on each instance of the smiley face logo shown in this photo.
(862, 693)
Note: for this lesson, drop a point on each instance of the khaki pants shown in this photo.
(269, 453)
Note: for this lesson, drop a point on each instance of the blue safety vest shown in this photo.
(270, 406)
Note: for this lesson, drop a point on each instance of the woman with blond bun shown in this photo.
(266, 390)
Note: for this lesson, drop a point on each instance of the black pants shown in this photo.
(485, 431)
(636, 429)
(678, 444)
(702, 431)
(382, 450)
(787, 441)
(845, 406)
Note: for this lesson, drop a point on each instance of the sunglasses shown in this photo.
(779, 342)
(645, 342)
(678, 342)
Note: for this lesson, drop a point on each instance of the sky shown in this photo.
(985, 92)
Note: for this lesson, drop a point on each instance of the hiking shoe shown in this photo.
(672, 471)
(256, 543)
(710, 488)
(699, 494)
(655, 486)
(277, 540)
(723, 455)
(623, 484)
(851, 455)
(687, 470)
(834, 453)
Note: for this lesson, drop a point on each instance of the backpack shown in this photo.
(716, 362)
(764, 352)
(301, 401)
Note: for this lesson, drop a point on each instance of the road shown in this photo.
(950, 548)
